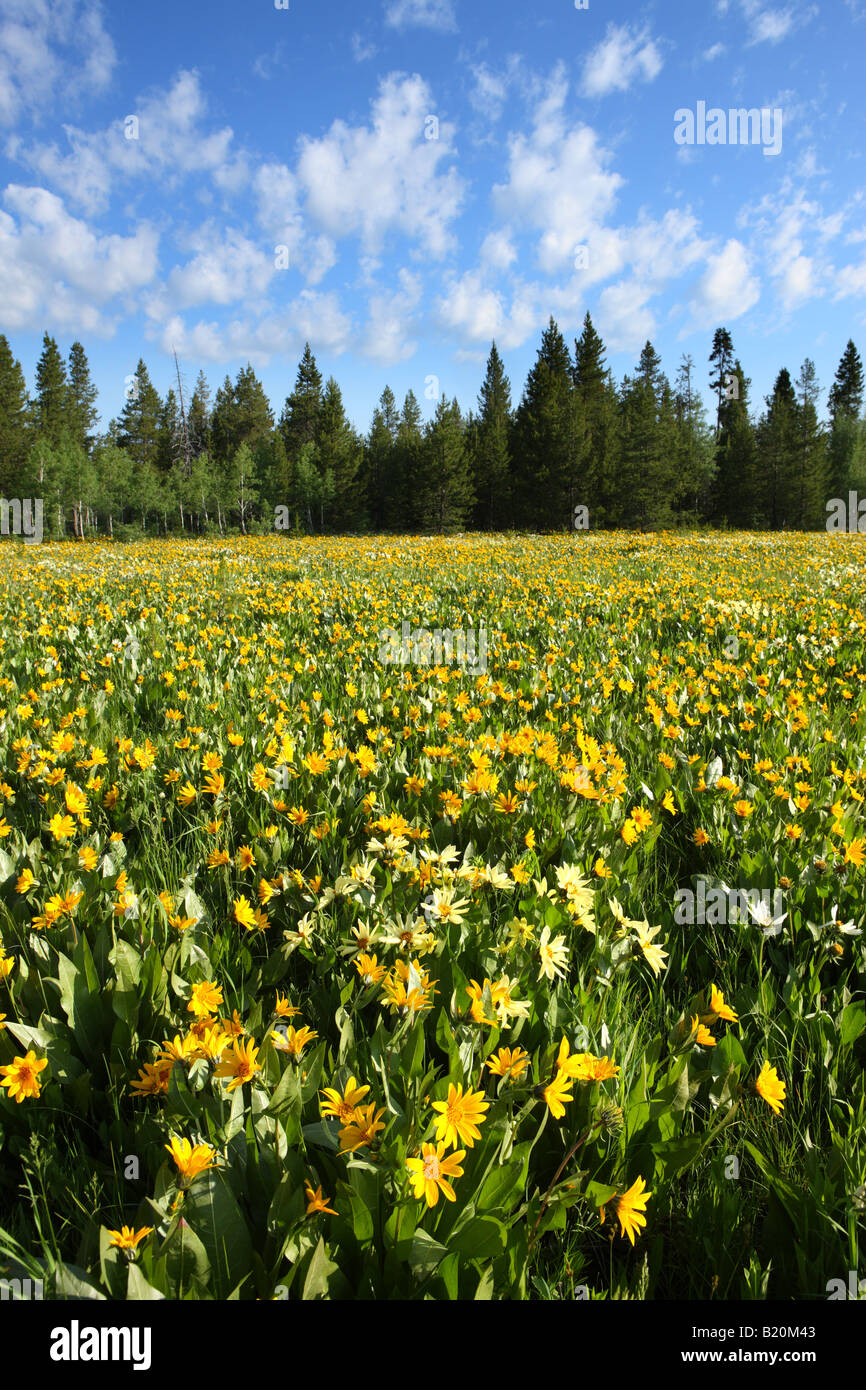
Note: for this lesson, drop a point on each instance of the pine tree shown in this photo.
(81, 412)
(199, 417)
(810, 469)
(722, 356)
(546, 439)
(14, 416)
(775, 439)
(597, 399)
(693, 449)
(409, 461)
(300, 418)
(447, 487)
(735, 489)
(340, 454)
(168, 448)
(383, 483)
(646, 475)
(138, 433)
(489, 447)
(51, 392)
(844, 446)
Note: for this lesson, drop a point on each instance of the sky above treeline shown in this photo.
(401, 181)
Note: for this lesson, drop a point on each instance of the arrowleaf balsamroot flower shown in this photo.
(21, 1077)
(558, 1094)
(511, 1062)
(361, 1128)
(460, 1115)
(127, 1238)
(770, 1088)
(191, 1159)
(316, 1202)
(342, 1107)
(630, 1208)
(430, 1173)
(239, 1063)
(205, 999)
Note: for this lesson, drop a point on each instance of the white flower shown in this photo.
(763, 916)
(846, 928)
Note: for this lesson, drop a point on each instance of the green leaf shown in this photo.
(852, 1022)
(318, 1273)
(137, 1286)
(186, 1261)
(212, 1211)
(286, 1099)
(425, 1254)
(482, 1238)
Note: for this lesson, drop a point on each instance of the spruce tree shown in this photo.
(490, 447)
(597, 399)
(14, 419)
(722, 357)
(199, 417)
(775, 440)
(546, 438)
(447, 487)
(844, 445)
(735, 489)
(340, 455)
(300, 418)
(811, 459)
(51, 392)
(693, 449)
(81, 411)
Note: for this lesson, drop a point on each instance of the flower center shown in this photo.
(431, 1168)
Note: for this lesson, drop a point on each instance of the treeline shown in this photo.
(638, 454)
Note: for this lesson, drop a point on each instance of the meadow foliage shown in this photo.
(329, 977)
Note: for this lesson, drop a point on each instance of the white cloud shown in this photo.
(624, 56)
(51, 51)
(726, 290)
(362, 50)
(623, 318)
(487, 95)
(498, 250)
(478, 313)
(557, 181)
(312, 317)
(226, 267)
(169, 142)
(372, 181)
(53, 265)
(426, 14)
(716, 51)
(390, 315)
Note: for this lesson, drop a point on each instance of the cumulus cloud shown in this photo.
(54, 265)
(423, 14)
(624, 56)
(385, 339)
(727, 289)
(376, 180)
(51, 52)
(310, 317)
(165, 137)
(558, 181)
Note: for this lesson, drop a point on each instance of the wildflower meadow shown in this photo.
(340, 967)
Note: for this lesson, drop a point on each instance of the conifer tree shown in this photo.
(51, 392)
(546, 438)
(81, 411)
(300, 418)
(447, 487)
(775, 440)
(811, 453)
(844, 446)
(735, 489)
(722, 357)
(14, 417)
(490, 447)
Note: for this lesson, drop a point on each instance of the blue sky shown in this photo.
(437, 173)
